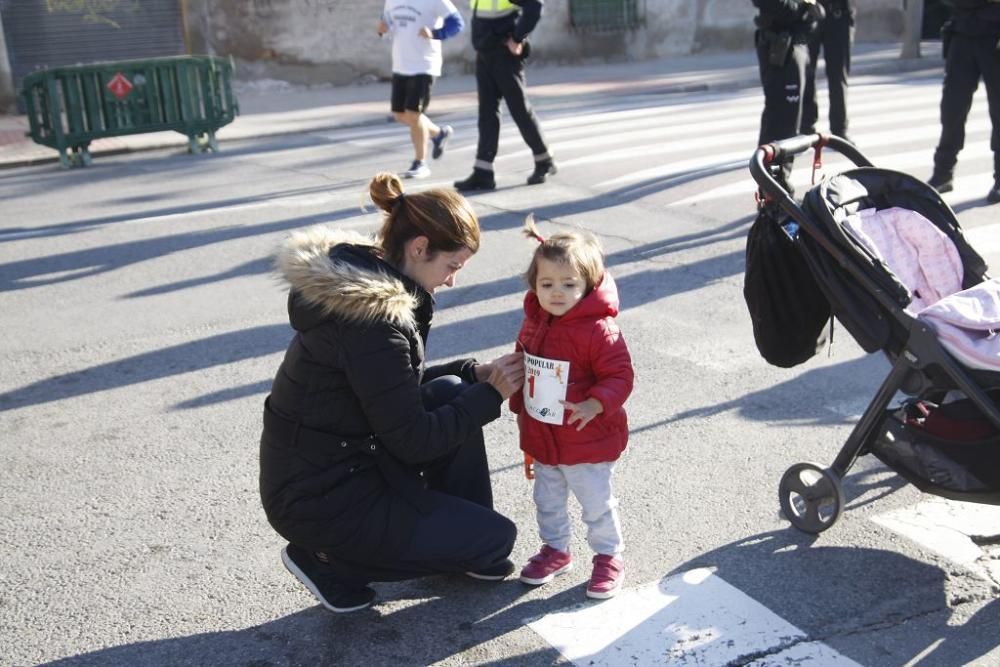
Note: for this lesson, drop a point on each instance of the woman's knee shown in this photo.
(499, 533)
(441, 390)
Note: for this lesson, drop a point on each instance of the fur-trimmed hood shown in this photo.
(340, 274)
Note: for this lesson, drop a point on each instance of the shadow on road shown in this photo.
(454, 616)
(822, 593)
(456, 338)
(53, 269)
(778, 401)
(184, 358)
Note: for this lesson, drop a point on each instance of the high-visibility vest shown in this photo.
(492, 9)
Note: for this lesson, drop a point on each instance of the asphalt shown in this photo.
(269, 108)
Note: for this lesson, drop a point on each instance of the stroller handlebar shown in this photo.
(778, 151)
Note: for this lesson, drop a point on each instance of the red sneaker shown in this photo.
(544, 566)
(607, 577)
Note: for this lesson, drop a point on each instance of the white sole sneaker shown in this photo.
(547, 578)
(423, 172)
(308, 583)
(607, 594)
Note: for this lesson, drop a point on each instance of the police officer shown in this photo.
(834, 35)
(500, 29)
(971, 42)
(781, 39)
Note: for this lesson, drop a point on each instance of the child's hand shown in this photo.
(382, 27)
(426, 32)
(582, 412)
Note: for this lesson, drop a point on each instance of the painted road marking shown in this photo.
(693, 618)
(964, 533)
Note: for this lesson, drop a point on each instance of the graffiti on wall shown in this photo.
(309, 5)
(95, 11)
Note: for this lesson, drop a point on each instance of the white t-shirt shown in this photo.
(411, 53)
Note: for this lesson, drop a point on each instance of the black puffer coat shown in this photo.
(354, 370)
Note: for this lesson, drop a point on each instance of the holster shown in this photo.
(778, 45)
(947, 32)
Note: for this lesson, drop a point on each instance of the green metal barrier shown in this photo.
(607, 15)
(68, 107)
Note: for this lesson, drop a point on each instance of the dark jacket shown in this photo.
(793, 16)
(975, 17)
(492, 33)
(353, 370)
(599, 367)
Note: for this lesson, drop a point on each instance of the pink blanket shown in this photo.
(924, 259)
(913, 248)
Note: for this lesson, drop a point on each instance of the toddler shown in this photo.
(578, 374)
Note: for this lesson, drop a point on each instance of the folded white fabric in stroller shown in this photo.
(968, 324)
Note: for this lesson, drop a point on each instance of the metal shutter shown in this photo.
(55, 33)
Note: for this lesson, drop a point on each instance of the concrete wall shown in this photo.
(317, 41)
(8, 96)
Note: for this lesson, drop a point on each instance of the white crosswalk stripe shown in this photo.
(694, 618)
(705, 139)
(711, 134)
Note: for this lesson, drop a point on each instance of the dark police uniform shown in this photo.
(834, 35)
(500, 75)
(972, 51)
(781, 39)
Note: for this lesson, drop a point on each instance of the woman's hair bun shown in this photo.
(385, 190)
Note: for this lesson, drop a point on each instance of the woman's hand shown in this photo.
(506, 373)
(582, 412)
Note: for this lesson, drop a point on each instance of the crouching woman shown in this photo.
(372, 466)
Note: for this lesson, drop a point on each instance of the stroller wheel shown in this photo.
(811, 497)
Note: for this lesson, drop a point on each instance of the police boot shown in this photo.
(543, 169)
(941, 181)
(481, 179)
(993, 196)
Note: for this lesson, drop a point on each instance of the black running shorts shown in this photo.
(411, 93)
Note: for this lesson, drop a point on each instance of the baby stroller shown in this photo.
(959, 458)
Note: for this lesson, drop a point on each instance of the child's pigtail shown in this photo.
(531, 229)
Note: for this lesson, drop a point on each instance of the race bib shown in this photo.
(544, 386)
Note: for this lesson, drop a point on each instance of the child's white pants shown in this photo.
(591, 484)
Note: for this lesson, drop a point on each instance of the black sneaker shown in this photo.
(441, 140)
(314, 575)
(941, 182)
(993, 196)
(497, 572)
(543, 170)
(481, 179)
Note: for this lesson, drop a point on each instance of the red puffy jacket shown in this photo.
(600, 367)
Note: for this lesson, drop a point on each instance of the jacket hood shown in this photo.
(601, 302)
(341, 274)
